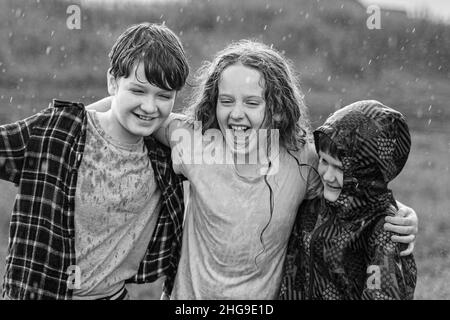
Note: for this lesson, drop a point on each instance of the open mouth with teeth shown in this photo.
(142, 117)
(239, 130)
(241, 138)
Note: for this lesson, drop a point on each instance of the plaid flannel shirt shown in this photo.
(42, 154)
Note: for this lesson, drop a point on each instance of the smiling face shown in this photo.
(240, 107)
(138, 108)
(331, 172)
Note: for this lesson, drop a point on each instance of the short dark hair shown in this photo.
(325, 144)
(160, 50)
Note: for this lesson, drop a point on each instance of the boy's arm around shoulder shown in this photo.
(389, 275)
(13, 142)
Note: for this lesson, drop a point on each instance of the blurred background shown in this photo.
(405, 64)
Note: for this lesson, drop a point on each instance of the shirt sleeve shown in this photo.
(389, 276)
(181, 136)
(13, 141)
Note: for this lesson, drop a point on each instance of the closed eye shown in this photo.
(165, 96)
(226, 101)
(138, 91)
(253, 103)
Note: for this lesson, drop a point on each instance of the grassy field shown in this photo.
(425, 185)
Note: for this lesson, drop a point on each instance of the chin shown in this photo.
(330, 196)
(145, 131)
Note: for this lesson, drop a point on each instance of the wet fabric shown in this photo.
(339, 250)
(117, 204)
(233, 248)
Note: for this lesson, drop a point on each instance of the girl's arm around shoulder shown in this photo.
(102, 105)
(404, 224)
(389, 275)
(177, 133)
(176, 126)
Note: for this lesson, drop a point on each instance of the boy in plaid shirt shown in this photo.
(98, 205)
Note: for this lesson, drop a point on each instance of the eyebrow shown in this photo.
(247, 97)
(333, 164)
(253, 97)
(138, 85)
(143, 86)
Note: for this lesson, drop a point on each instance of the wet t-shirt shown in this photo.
(116, 207)
(233, 244)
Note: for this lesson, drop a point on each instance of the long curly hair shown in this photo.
(285, 107)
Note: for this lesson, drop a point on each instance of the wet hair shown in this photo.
(285, 107)
(326, 145)
(160, 50)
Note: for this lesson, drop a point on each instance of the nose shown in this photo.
(329, 175)
(237, 112)
(149, 106)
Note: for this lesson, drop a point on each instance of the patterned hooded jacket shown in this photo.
(339, 250)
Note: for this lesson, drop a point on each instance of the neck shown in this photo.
(256, 162)
(111, 125)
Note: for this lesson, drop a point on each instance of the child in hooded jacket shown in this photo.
(338, 248)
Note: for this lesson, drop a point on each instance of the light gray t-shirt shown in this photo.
(116, 208)
(222, 253)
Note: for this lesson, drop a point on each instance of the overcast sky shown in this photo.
(440, 8)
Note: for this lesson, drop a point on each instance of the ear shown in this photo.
(112, 83)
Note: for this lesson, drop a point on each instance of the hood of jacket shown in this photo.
(374, 142)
